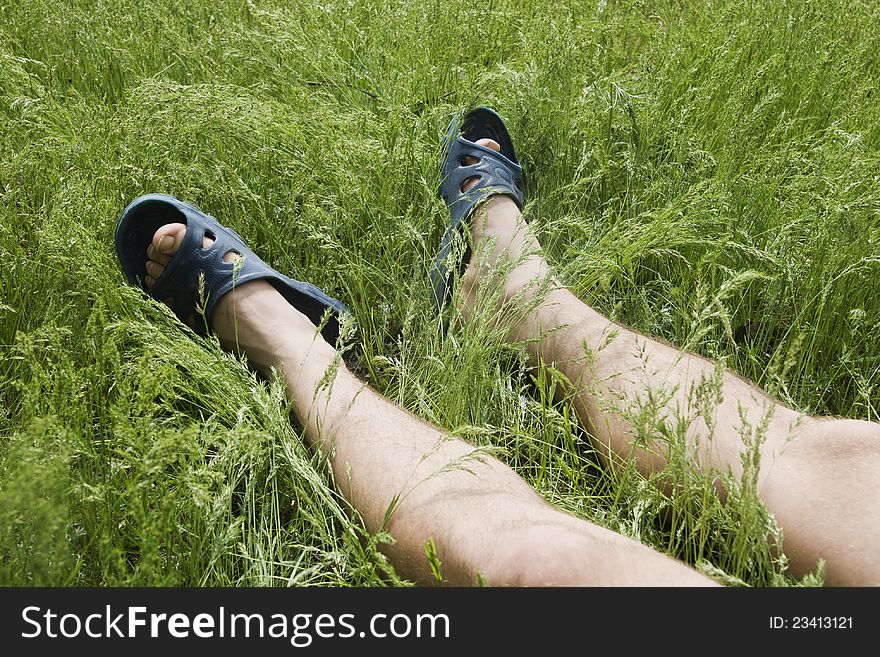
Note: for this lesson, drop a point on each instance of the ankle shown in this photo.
(497, 217)
(256, 308)
(529, 277)
(259, 323)
(506, 263)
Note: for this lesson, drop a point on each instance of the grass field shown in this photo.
(707, 172)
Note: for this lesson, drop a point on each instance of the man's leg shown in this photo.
(483, 518)
(818, 477)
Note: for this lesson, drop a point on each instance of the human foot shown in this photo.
(472, 172)
(214, 282)
(250, 319)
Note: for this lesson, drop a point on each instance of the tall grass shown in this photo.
(707, 172)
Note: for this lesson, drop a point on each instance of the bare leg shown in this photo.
(818, 477)
(482, 517)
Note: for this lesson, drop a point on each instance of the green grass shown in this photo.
(707, 172)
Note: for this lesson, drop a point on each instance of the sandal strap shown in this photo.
(494, 171)
(196, 276)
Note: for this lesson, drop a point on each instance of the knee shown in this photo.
(827, 442)
(842, 437)
(544, 555)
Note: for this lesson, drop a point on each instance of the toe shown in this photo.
(489, 143)
(154, 271)
(165, 243)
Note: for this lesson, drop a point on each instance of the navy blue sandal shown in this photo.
(196, 277)
(497, 173)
